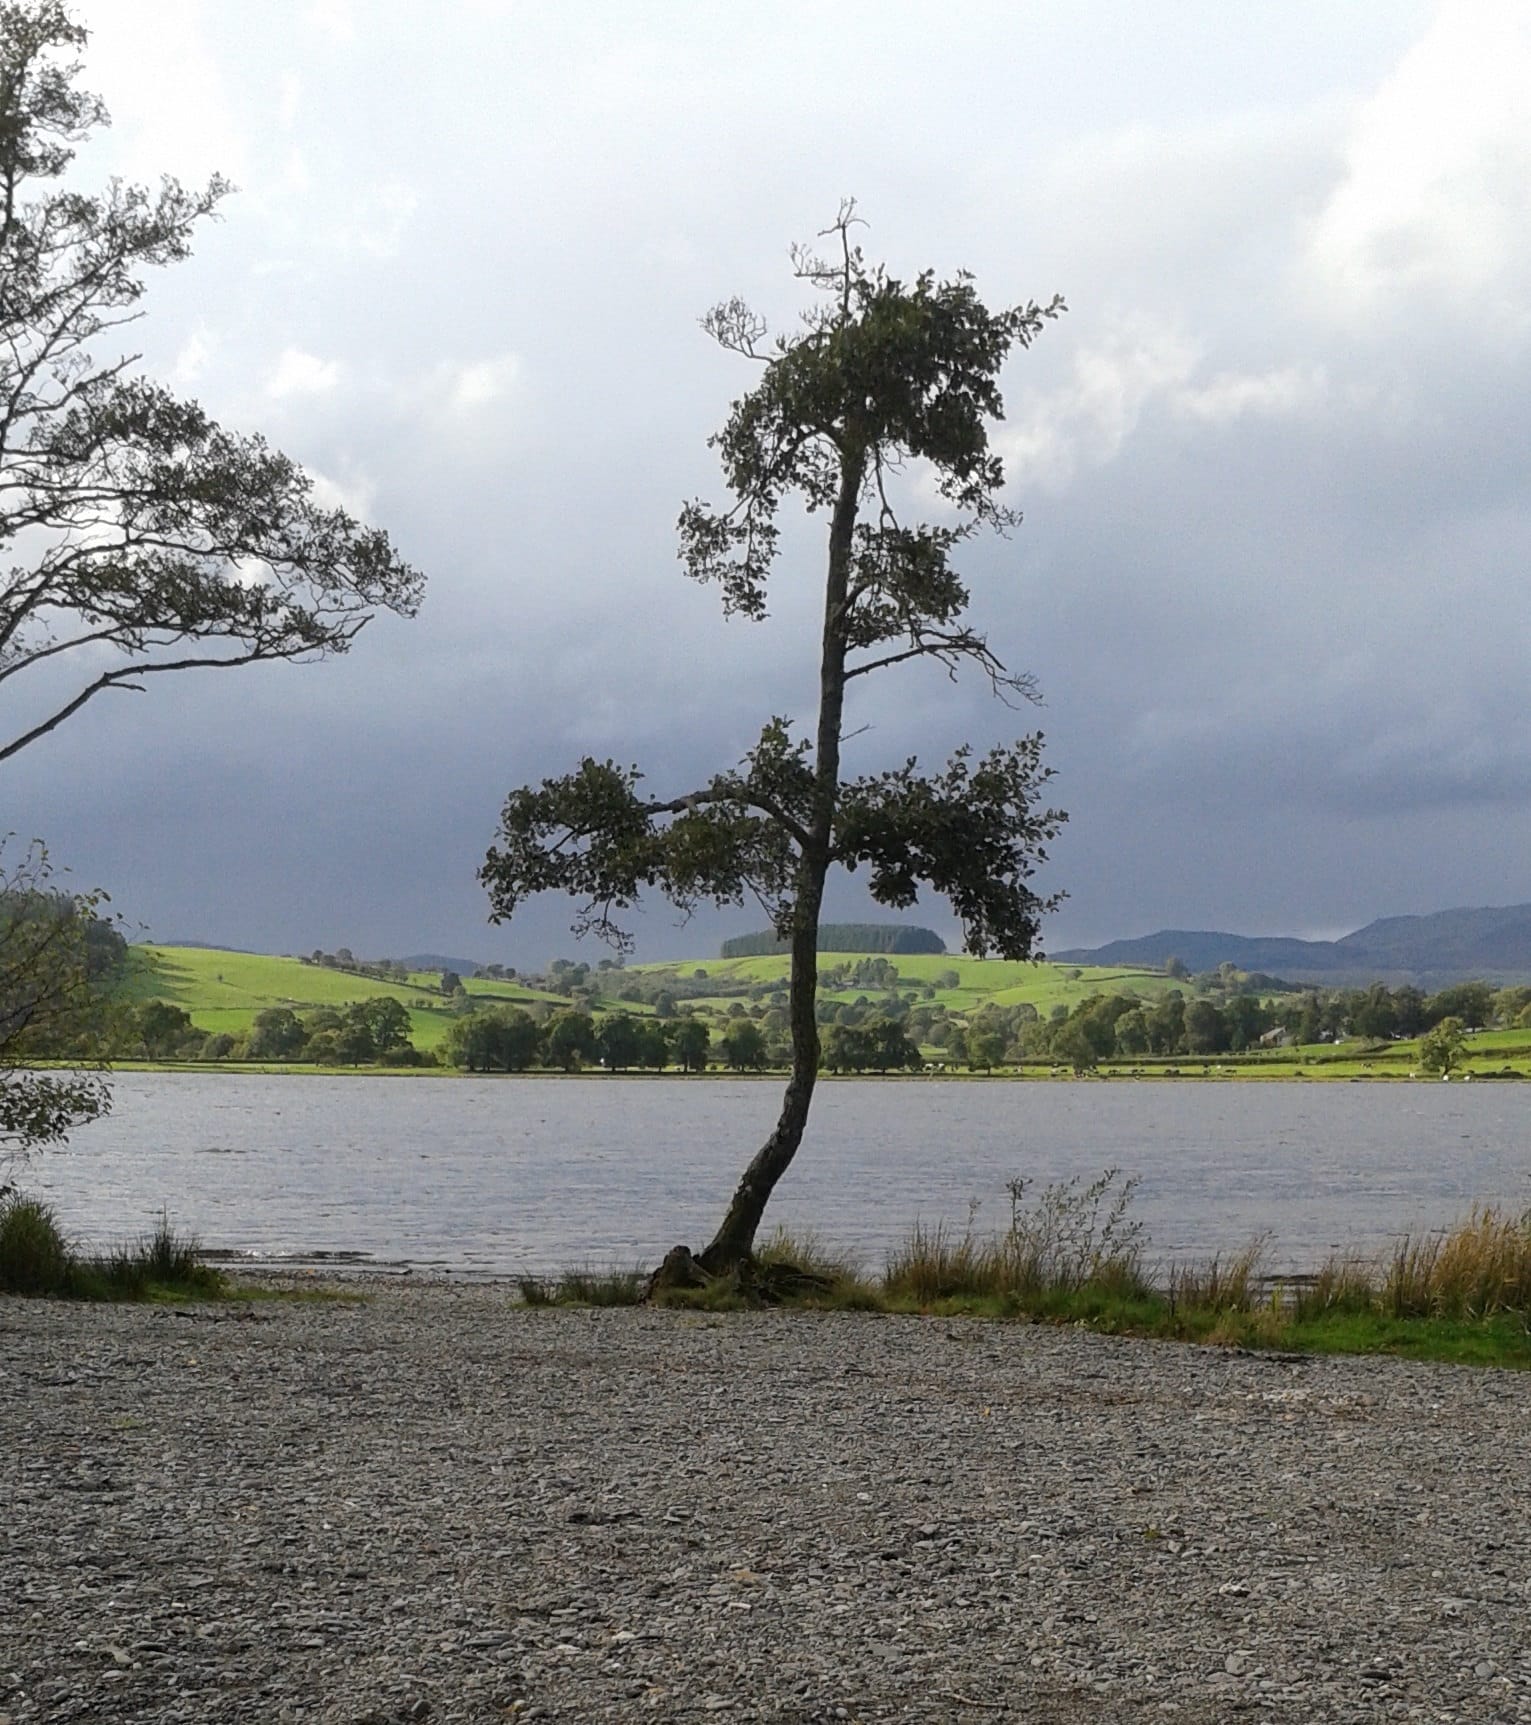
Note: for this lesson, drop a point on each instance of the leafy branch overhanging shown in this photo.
(137, 536)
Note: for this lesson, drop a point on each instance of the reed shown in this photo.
(1477, 1269)
(1221, 1284)
(1071, 1237)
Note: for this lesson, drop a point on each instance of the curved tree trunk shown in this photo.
(734, 1241)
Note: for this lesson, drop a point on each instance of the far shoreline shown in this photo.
(1234, 1072)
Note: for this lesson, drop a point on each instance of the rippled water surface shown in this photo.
(487, 1176)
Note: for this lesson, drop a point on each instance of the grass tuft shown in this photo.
(35, 1259)
(602, 1287)
(1479, 1268)
(1346, 1285)
(537, 1291)
(1071, 1238)
(585, 1287)
(1220, 1286)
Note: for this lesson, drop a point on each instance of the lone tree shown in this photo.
(136, 535)
(1444, 1049)
(885, 376)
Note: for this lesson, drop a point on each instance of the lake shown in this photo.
(488, 1176)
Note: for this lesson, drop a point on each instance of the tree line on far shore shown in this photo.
(894, 1034)
(1118, 1026)
(889, 1026)
(376, 1032)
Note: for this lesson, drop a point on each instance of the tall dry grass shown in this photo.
(1071, 1236)
(1480, 1267)
(1221, 1284)
(1477, 1269)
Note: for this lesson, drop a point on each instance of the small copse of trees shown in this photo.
(840, 937)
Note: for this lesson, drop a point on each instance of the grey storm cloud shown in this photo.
(1272, 463)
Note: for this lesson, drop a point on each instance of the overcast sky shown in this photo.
(1273, 463)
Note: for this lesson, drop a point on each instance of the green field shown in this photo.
(1004, 982)
(225, 990)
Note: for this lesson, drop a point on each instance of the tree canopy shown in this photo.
(137, 536)
(885, 378)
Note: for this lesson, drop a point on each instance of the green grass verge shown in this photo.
(1073, 1256)
(1501, 1341)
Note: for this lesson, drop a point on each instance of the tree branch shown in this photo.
(742, 795)
(948, 649)
(122, 678)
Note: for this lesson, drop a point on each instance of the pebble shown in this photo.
(440, 1506)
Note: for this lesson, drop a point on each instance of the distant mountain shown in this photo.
(439, 961)
(1446, 946)
(1206, 949)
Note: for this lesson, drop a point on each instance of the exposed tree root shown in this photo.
(747, 1279)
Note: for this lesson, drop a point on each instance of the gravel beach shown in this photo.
(435, 1504)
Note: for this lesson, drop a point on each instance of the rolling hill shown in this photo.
(223, 989)
(1447, 946)
(959, 983)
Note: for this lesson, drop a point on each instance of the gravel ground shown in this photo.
(438, 1505)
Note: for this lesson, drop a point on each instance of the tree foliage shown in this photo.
(877, 1045)
(886, 377)
(894, 937)
(1444, 1048)
(46, 1002)
(743, 1046)
(137, 536)
(690, 1043)
(499, 1039)
(616, 1041)
(571, 1040)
